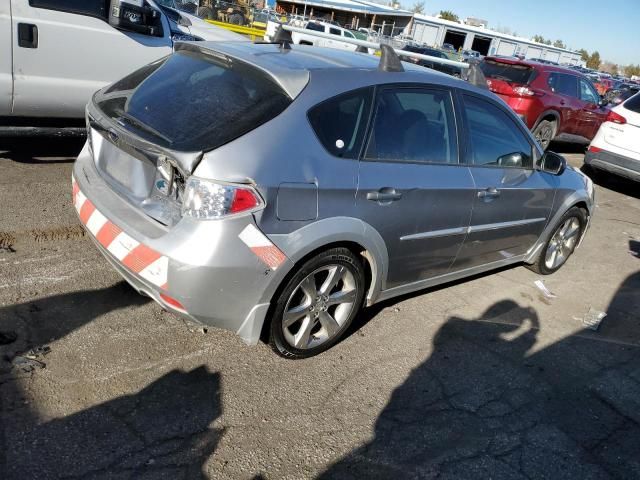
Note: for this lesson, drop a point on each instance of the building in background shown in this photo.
(354, 14)
(435, 31)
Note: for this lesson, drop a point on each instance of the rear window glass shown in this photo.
(520, 74)
(315, 26)
(633, 103)
(194, 102)
(340, 122)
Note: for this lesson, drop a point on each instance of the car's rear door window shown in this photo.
(413, 125)
(494, 138)
(340, 123)
(563, 84)
(193, 101)
(512, 73)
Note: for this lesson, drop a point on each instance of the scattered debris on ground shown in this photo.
(593, 318)
(31, 360)
(543, 288)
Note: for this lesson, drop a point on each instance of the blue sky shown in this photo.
(612, 28)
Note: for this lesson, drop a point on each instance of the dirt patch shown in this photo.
(58, 233)
(7, 240)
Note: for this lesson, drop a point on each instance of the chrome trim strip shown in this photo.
(436, 233)
(496, 226)
(472, 229)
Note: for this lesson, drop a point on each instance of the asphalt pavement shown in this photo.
(490, 377)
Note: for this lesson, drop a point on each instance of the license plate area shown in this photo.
(132, 176)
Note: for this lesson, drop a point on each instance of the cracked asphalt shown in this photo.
(483, 378)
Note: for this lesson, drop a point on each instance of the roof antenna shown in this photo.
(283, 37)
(389, 60)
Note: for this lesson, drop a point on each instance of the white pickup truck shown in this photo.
(317, 26)
(55, 53)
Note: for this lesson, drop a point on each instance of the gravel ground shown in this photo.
(486, 377)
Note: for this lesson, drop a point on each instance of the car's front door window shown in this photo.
(495, 139)
(587, 93)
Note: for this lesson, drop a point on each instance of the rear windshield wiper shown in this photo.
(138, 124)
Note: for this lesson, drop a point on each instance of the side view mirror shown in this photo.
(511, 160)
(135, 16)
(553, 163)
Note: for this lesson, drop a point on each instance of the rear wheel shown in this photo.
(545, 132)
(318, 304)
(562, 243)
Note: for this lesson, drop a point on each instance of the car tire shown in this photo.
(545, 132)
(317, 305)
(563, 241)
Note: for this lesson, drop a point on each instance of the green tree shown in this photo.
(632, 70)
(418, 7)
(594, 61)
(584, 54)
(559, 44)
(538, 38)
(448, 15)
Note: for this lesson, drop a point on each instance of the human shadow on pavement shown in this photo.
(162, 431)
(494, 401)
(47, 319)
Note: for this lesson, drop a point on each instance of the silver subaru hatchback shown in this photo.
(276, 191)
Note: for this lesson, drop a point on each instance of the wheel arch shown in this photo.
(579, 199)
(360, 237)
(549, 115)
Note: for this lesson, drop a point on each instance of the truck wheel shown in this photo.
(318, 304)
(545, 132)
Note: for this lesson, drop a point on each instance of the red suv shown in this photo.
(551, 100)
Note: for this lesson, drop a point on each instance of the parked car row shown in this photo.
(551, 100)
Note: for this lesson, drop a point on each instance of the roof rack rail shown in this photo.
(389, 60)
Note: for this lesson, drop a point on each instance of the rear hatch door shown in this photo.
(503, 75)
(626, 136)
(149, 130)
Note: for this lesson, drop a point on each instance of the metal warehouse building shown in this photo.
(352, 13)
(436, 31)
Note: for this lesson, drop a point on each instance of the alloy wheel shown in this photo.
(319, 306)
(544, 135)
(562, 243)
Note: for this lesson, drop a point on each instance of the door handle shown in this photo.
(489, 193)
(384, 195)
(27, 35)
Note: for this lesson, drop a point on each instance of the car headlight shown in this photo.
(208, 200)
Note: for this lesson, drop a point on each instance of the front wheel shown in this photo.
(562, 243)
(318, 304)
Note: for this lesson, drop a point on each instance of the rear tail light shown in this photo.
(615, 118)
(524, 91)
(207, 200)
(594, 149)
